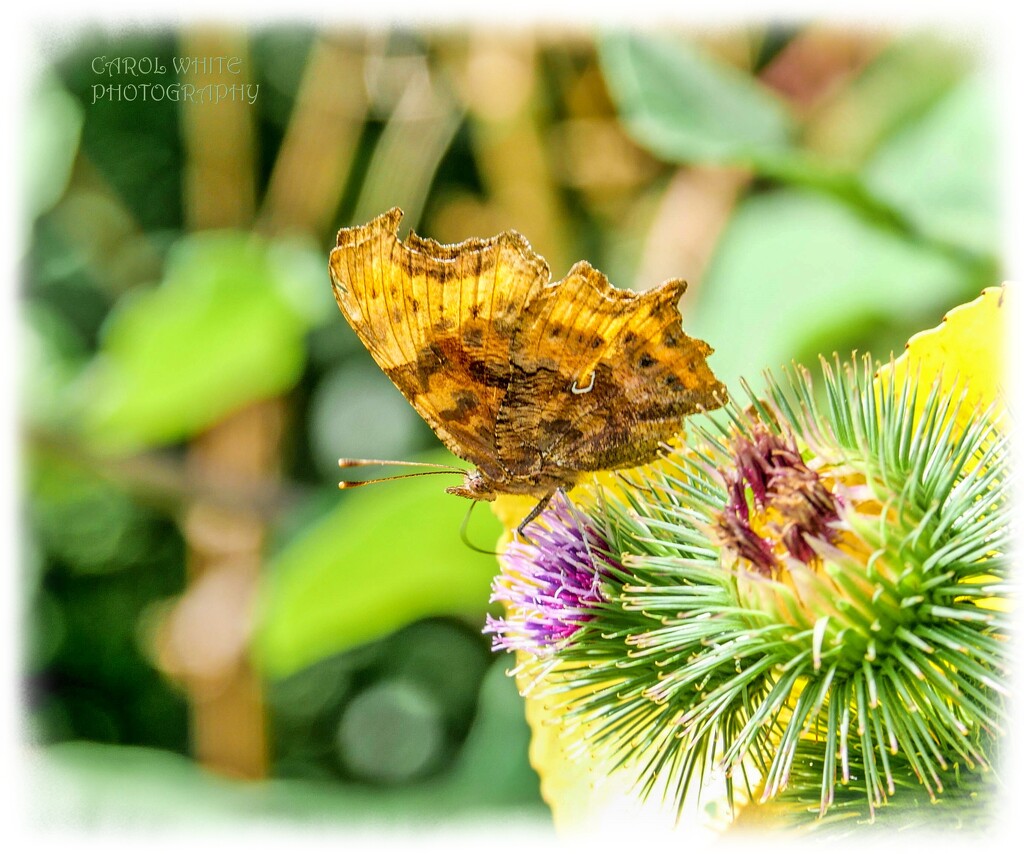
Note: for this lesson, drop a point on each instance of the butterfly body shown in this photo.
(535, 383)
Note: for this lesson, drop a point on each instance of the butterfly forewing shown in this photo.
(439, 321)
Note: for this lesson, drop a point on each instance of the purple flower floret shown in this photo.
(548, 587)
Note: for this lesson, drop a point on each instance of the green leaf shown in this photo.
(686, 106)
(941, 172)
(379, 560)
(224, 328)
(797, 272)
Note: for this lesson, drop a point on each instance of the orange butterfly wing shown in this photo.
(601, 377)
(439, 320)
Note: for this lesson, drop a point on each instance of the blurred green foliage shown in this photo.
(858, 214)
(322, 595)
(906, 226)
(165, 370)
(86, 784)
(866, 277)
(938, 171)
(686, 106)
(99, 561)
(51, 139)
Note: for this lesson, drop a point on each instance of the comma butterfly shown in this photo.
(534, 382)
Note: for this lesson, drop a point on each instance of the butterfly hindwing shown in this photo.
(600, 377)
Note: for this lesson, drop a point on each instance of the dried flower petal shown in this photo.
(787, 508)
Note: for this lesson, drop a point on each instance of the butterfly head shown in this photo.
(474, 486)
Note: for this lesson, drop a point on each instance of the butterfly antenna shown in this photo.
(346, 463)
(435, 468)
(352, 484)
(463, 533)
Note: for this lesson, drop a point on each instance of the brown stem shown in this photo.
(204, 641)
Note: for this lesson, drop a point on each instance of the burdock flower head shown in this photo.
(808, 601)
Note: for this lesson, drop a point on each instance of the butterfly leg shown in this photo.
(533, 514)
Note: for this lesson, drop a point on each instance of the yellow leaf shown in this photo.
(585, 799)
(968, 351)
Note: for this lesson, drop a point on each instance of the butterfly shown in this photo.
(534, 382)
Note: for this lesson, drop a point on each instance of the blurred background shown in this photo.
(212, 630)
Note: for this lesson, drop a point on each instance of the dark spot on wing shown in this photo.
(412, 376)
(466, 399)
(433, 355)
(466, 404)
(556, 432)
(490, 375)
(645, 361)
